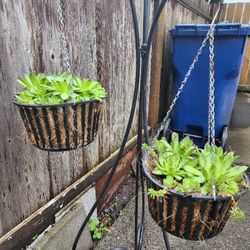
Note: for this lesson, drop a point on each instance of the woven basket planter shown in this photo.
(189, 217)
(61, 127)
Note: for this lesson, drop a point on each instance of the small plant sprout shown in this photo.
(97, 229)
(156, 194)
(235, 211)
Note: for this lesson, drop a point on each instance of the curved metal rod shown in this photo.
(155, 21)
(143, 116)
(145, 66)
(145, 21)
(139, 228)
(166, 239)
(132, 113)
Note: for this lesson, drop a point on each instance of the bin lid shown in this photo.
(221, 29)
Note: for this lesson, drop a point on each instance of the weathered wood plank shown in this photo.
(230, 12)
(223, 13)
(157, 47)
(238, 12)
(244, 65)
(245, 78)
(246, 14)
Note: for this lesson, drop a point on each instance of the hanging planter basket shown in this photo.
(61, 127)
(189, 217)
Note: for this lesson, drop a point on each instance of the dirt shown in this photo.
(117, 203)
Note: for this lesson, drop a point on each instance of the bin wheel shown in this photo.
(224, 137)
(166, 130)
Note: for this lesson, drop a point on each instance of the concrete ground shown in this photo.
(239, 142)
(235, 236)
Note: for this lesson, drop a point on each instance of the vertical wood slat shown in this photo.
(158, 44)
(239, 13)
(245, 78)
(230, 12)
(246, 14)
(223, 12)
(245, 75)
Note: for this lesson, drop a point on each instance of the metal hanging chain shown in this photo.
(190, 70)
(66, 58)
(211, 99)
(211, 108)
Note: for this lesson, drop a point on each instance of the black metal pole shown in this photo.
(143, 117)
(139, 227)
(166, 240)
(142, 59)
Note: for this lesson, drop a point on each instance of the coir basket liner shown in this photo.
(61, 127)
(189, 217)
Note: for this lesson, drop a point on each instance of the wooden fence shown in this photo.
(239, 13)
(101, 43)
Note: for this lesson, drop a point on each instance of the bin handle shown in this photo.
(217, 26)
(190, 27)
(185, 26)
(228, 26)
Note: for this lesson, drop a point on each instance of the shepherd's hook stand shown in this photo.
(142, 59)
(142, 65)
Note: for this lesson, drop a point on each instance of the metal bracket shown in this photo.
(144, 50)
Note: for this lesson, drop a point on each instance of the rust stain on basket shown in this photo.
(43, 126)
(174, 213)
(27, 125)
(79, 125)
(158, 214)
(86, 123)
(70, 113)
(184, 214)
(206, 222)
(35, 128)
(165, 211)
(195, 218)
(216, 223)
(61, 126)
(53, 129)
(92, 121)
(225, 214)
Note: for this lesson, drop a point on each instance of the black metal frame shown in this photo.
(142, 59)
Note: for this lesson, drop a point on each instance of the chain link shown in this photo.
(66, 59)
(190, 70)
(211, 107)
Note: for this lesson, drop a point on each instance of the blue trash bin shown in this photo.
(190, 114)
